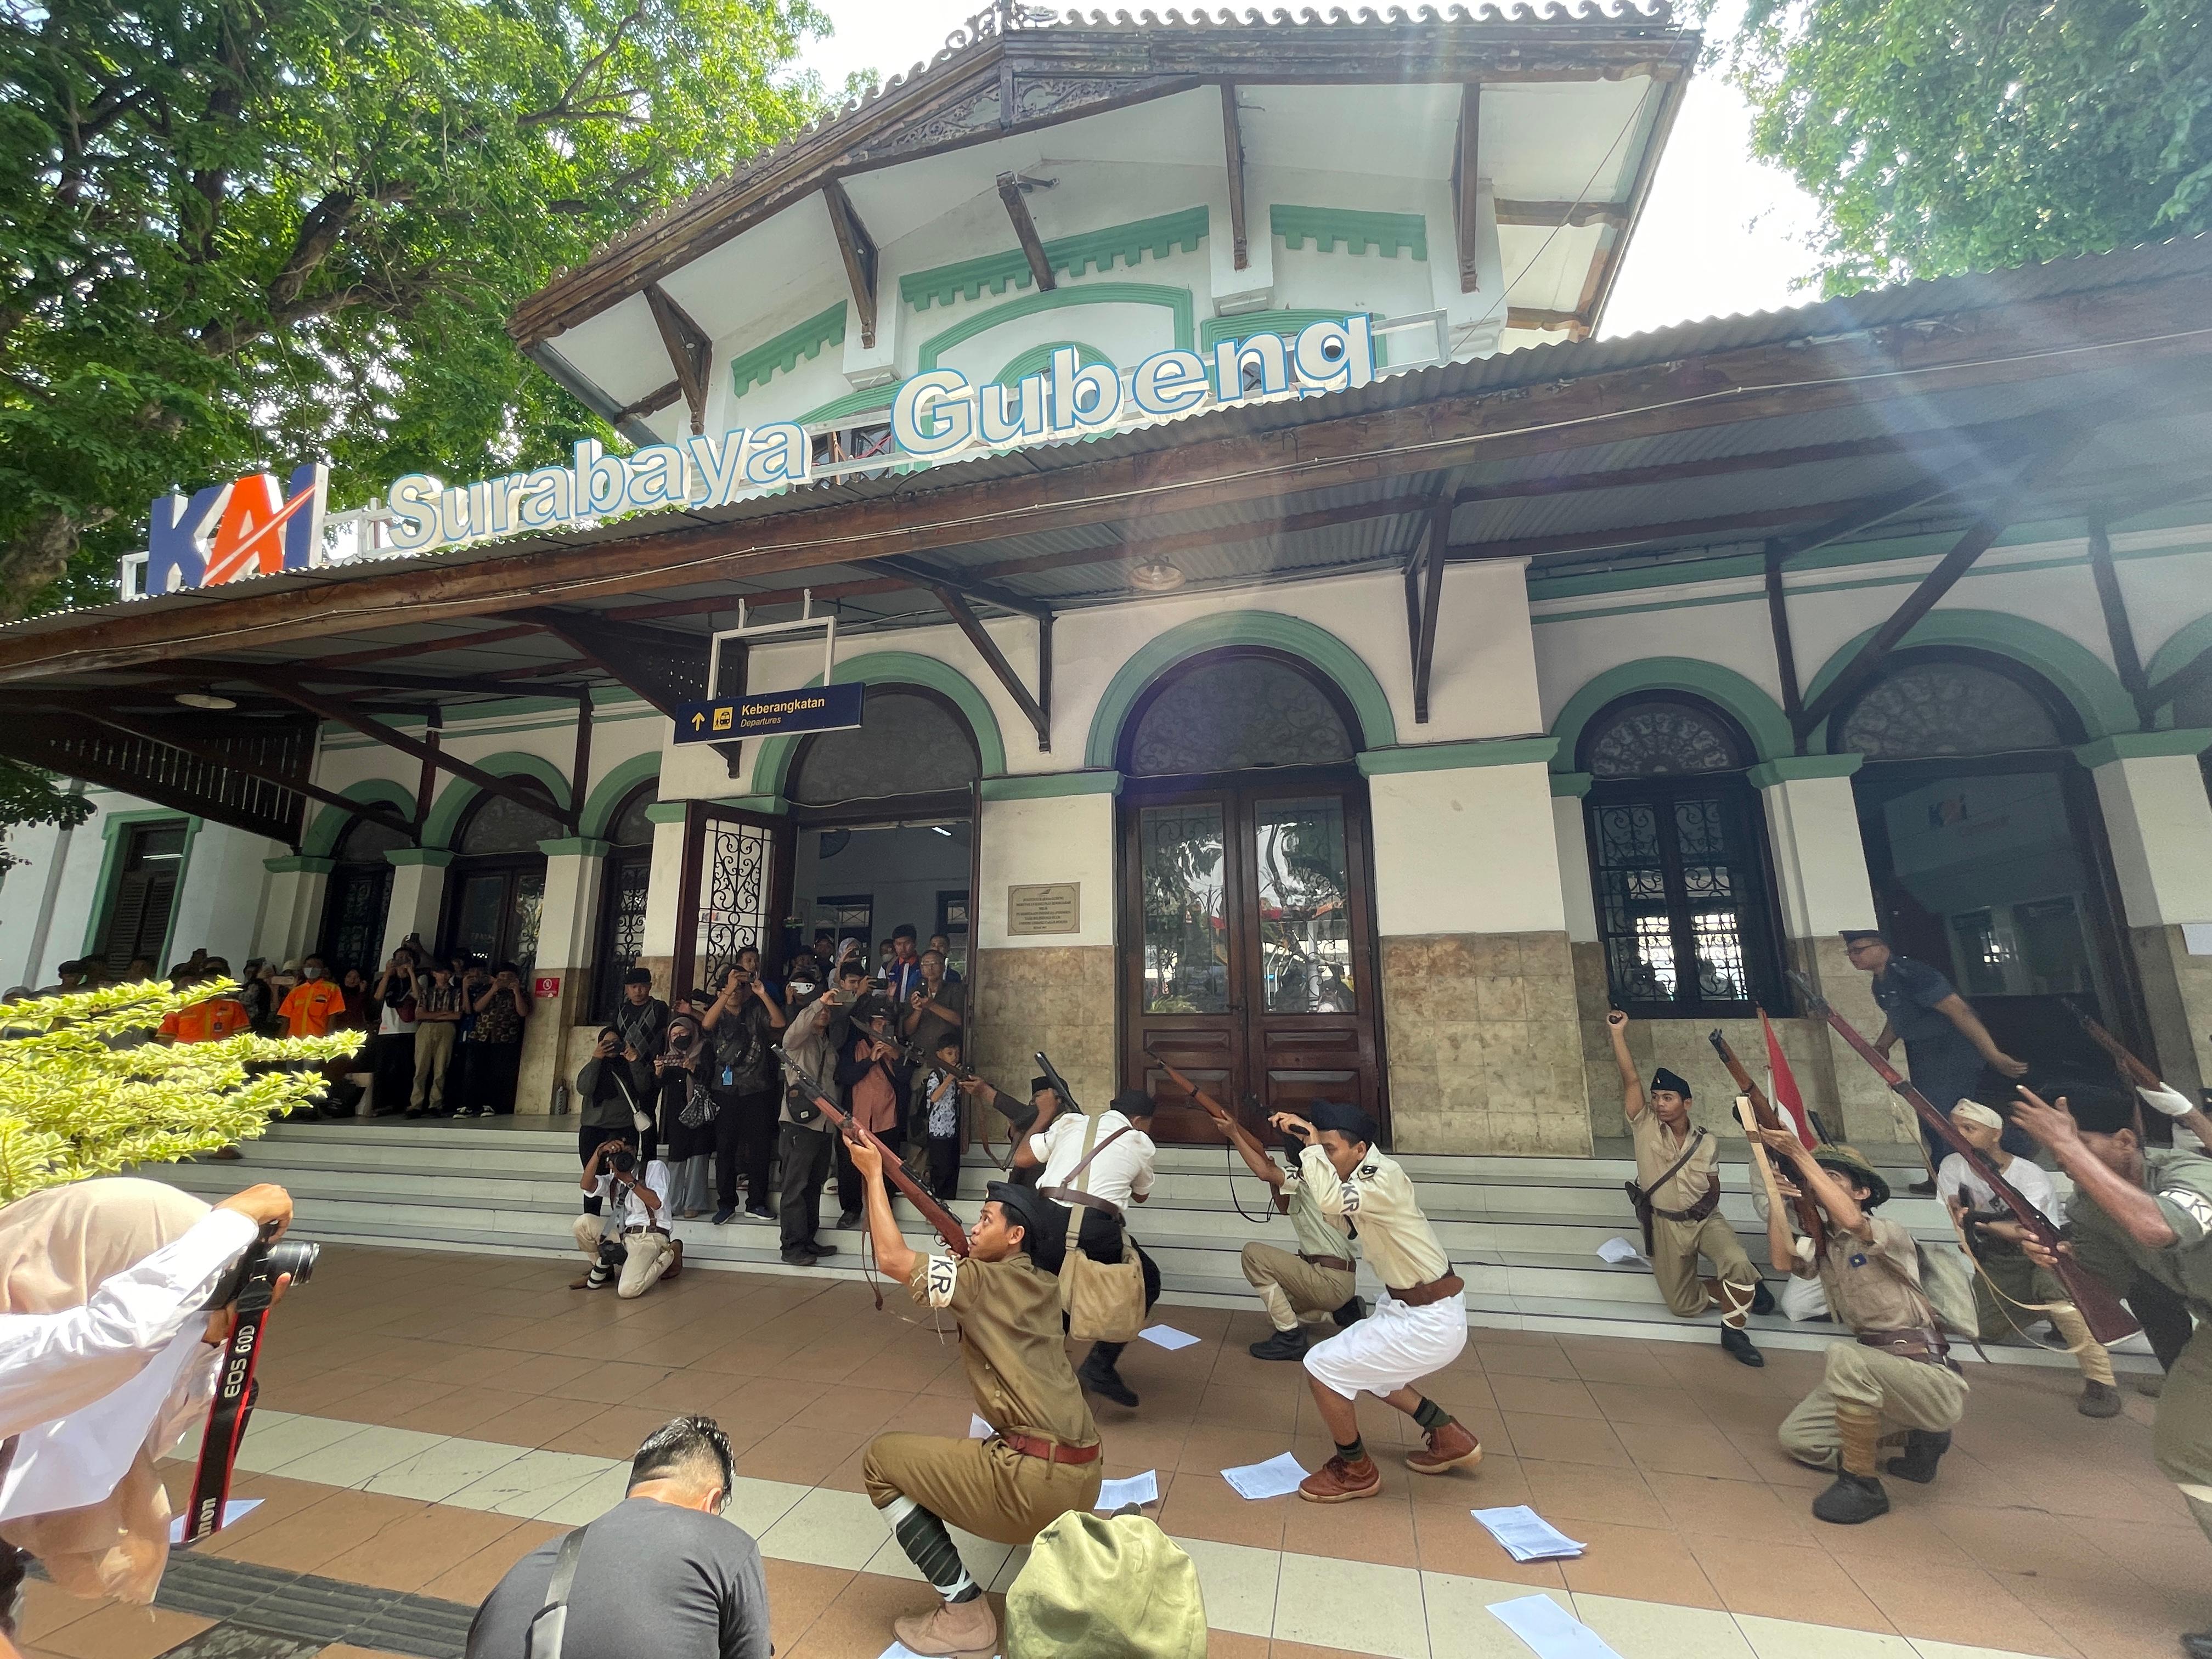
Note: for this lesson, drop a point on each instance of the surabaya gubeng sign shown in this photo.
(936, 414)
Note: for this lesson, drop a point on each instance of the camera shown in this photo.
(252, 1280)
(621, 1161)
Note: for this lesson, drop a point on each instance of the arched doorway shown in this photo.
(1248, 919)
(359, 897)
(496, 886)
(627, 875)
(1987, 849)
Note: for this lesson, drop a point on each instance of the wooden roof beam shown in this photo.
(1026, 232)
(1466, 187)
(1552, 215)
(652, 403)
(1425, 594)
(1033, 708)
(971, 584)
(858, 249)
(41, 739)
(690, 351)
(1232, 145)
(1570, 323)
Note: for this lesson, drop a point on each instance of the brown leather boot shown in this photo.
(675, 1260)
(952, 1630)
(1450, 1444)
(1857, 1496)
(1338, 1482)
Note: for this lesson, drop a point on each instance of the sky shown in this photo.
(1720, 234)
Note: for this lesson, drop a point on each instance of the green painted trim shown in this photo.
(1458, 756)
(1038, 359)
(667, 811)
(434, 858)
(1050, 785)
(1798, 768)
(1387, 233)
(864, 401)
(598, 814)
(576, 847)
(1176, 301)
(2077, 673)
(113, 841)
(2189, 741)
(1571, 785)
(1250, 324)
(298, 864)
(772, 765)
(781, 356)
(1760, 715)
(322, 838)
(1291, 635)
(454, 798)
(2182, 646)
(1085, 251)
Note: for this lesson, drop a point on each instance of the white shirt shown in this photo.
(1954, 1179)
(1121, 1173)
(627, 1205)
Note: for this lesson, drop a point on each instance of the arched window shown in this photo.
(1237, 712)
(1924, 707)
(360, 895)
(622, 914)
(913, 743)
(1678, 861)
(495, 888)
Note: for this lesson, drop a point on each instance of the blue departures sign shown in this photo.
(817, 709)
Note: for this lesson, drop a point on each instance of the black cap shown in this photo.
(1663, 1078)
(1039, 1085)
(1346, 1119)
(1132, 1103)
(1044, 1222)
(2099, 1108)
(638, 976)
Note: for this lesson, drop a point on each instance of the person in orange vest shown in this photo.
(211, 1020)
(312, 1006)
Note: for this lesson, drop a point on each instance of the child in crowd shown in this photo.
(940, 1093)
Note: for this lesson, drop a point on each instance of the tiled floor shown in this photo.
(428, 1419)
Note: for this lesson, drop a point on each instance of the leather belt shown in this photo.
(1335, 1264)
(1052, 1451)
(1699, 1210)
(1437, 1290)
(1089, 1201)
(1921, 1343)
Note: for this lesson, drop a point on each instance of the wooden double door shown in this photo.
(1249, 958)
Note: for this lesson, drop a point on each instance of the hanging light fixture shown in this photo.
(1156, 576)
(205, 700)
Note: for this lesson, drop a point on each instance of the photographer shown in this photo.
(743, 1022)
(437, 1033)
(395, 1002)
(610, 1110)
(630, 1236)
(803, 1136)
(660, 1576)
(642, 1020)
(497, 1060)
(687, 1106)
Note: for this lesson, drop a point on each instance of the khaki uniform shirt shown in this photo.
(1656, 1149)
(1319, 1233)
(2182, 1184)
(1864, 1293)
(1377, 1198)
(1011, 1343)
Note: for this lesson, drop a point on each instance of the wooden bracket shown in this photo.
(1785, 647)
(1466, 156)
(2119, 632)
(652, 403)
(651, 662)
(1037, 709)
(689, 349)
(1232, 138)
(1026, 232)
(858, 249)
(1424, 593)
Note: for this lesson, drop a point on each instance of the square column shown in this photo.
(418, 894)
(1478, 980)
(1051, 991)
(666, 882)
(291, 907)
(2159, 821)
(567, 944)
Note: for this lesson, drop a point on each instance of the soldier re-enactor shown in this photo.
(1320, 1280)
(2142, 1210)
(1419, 1323)
(1042, 1457)
(1677, 1167)
(1898, 1370)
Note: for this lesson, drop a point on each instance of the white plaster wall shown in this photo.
(44, 850)
(1820, 860)
(2166, 578)
(1061, 838)
(2160, 823)
(1470, 851)
(1572, 841)
(220, 903)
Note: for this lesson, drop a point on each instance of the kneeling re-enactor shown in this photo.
(1043, 1458)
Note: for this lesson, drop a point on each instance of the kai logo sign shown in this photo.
(244, 528)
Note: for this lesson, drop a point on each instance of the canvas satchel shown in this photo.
(1105, 1586)
(1104, 1302)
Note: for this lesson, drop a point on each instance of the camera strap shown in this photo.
(225, 1434)
(550, 1624)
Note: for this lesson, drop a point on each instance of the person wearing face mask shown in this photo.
(314, 1005)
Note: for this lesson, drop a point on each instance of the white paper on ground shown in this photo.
(1551, 1629)
(231, 1511)
(899, 1651)
(1618, 1251)
(1137, 1489)
(1525, 1534)
(1272, 1478)
(977, 1428)
(1167, 1336)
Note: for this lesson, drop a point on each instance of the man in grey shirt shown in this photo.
(661, 1574)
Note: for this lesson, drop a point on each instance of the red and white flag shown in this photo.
(1785, 1083)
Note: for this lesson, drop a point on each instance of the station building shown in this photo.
(1294, 644)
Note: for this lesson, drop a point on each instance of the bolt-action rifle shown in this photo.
(1810, 1221)
(2134, 1070)
(947, 1225)
(2102, 1310)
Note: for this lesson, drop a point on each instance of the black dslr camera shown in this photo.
(252, 1280)
(621, 1161)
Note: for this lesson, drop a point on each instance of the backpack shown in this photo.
(1105, 1586)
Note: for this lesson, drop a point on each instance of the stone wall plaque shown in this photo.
(1054, 907)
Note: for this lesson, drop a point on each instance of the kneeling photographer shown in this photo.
(628, 1244)
(119, 1298)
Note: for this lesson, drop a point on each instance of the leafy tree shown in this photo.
(72, 1104)
(243, 231)
(1942, 135)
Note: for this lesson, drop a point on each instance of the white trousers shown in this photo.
(1394, 1347)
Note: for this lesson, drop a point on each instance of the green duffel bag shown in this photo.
(1105, 1586)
